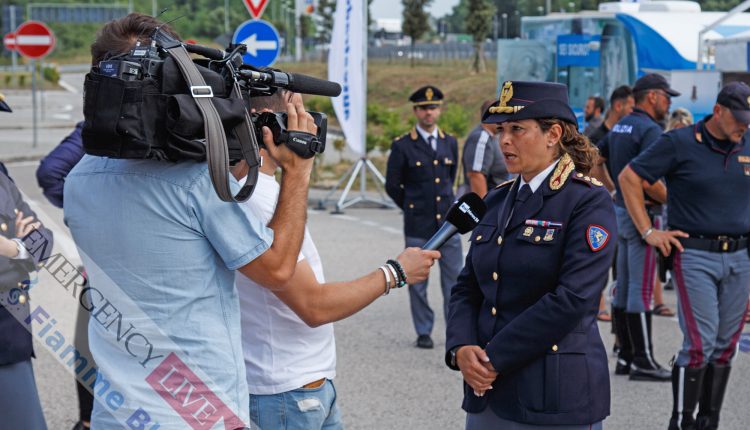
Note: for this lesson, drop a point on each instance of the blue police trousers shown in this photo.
(636, 266)
(712, 294)
(451, 262)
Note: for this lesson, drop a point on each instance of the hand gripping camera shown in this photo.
(156, 102)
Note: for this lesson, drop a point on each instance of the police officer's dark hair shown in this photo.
(573, 143)
(640, 96)
(119, 36)
(620, 93)
(598, 103)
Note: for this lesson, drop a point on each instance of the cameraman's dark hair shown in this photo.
(276, 102)
(620, 93)
(598, 103)
(119, 36)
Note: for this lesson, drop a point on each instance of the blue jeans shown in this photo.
(300, 409)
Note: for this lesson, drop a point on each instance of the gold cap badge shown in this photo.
(429, 93)
(506, 94)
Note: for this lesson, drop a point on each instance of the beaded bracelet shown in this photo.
(396, 283)
(400, 270)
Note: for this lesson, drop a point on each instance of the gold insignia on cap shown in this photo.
(505, 95)
(429, 93)
(564, 168)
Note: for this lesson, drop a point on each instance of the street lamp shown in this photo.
(572, 7)
(517, 19)
(540, 10)
(505, 25)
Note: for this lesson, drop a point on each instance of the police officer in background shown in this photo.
(636, 261)
(481, 160)
(419, 178)
(707, 170)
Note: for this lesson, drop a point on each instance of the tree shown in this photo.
(457, 18)
(416, 21)
(479, 25)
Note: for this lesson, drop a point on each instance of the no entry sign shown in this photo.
(9, 40)
(34, 39)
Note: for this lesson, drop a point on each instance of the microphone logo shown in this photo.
(465, 208)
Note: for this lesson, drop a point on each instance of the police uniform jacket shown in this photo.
(15, 275)
(529, 295)
(420, 180)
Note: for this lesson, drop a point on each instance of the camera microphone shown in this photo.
(462, 217)
(213, 54)
(295, 82)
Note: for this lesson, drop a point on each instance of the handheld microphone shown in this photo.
(462, 217)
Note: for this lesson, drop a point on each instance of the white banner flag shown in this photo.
(346, 66)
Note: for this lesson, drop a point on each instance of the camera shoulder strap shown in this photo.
(217, 152)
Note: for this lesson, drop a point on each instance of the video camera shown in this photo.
(157, 102)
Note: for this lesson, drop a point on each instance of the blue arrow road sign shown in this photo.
(262, 42)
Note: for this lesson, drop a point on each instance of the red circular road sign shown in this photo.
(9, 40)
(34, 39)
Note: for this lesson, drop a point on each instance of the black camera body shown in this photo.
(305, 145)
(156, 102)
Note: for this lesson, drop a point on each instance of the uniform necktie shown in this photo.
(431, 141)
(524, 193)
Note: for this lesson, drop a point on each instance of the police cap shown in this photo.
(735, 96)
(654, 81)
(427, 96)
(530, 100)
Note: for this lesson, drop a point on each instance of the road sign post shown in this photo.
(262, 41)
(34, 40)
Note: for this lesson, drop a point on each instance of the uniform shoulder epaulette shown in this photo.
(506, 183)
(588, 180)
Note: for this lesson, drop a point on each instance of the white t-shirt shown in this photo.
(282, 353)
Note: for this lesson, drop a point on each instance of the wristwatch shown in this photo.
(452, 354)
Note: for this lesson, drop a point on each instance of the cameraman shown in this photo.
(287, 335)
(158, 232)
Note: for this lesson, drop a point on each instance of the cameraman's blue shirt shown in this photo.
(161, 248)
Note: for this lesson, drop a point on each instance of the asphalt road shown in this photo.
(383, 381)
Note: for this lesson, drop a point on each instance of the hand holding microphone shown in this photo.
(417, 262)
(462, 217)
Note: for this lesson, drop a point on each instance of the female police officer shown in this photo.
(522, 322)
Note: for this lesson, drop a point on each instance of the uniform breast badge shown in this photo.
(597, 237)
(549, 235)
(528, 231)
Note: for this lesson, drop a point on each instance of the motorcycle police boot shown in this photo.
(625, 353)
(686, 389)
(644, 367)
(714, 386)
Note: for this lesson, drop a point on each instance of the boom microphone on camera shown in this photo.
(295, 82)
(462, 217)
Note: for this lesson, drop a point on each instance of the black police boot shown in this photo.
(625, 354)
(643, 367)
(714, 386)
(686, 389)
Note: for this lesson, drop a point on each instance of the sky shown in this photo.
(392, 8)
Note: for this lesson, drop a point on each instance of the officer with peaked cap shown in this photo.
(522, 323)
(707, 171)
(421, 171)
(24, 243)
